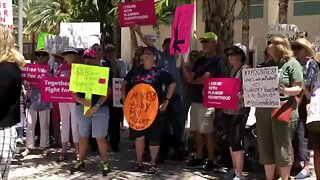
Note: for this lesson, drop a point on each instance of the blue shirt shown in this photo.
(168, 62)
(310, 69)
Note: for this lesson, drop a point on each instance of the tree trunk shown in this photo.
(245, 23)
(283, 11)
(220, 20)
(117, 37)
(104, 7)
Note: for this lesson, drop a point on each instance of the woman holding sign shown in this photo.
(147, 74)
(235, 120)
(94, 122)
(10, 89)
(275, 126)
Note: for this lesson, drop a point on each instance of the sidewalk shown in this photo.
(38, 167)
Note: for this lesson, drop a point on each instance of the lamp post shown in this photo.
(20, 26)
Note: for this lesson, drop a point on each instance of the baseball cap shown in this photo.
(239, 49)
(209, 35)
(69, 50)
(91, 53)
(41, 51)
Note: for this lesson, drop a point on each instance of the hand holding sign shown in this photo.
(89, 80)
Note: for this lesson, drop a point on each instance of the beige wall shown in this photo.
(258, 29)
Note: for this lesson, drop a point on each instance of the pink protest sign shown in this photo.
(6, 15)
(64, 70)
(221, 92)
(181, 29)
(137, 13)
(56, 89)
(32, 74)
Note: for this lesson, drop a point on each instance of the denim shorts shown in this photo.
(97, 125)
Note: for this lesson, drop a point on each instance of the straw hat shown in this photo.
(305, 44)
(317, 57)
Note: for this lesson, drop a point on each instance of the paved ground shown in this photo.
(38, 167)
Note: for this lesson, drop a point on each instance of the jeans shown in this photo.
(172, 127)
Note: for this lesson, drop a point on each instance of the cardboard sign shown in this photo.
(289, 30)
(33, 73)
(6, 15)
(221, 93)
(116, 92)
(181, 29)
(141, 107)
(55, 43)
(260, 87)
(56, 89)
(89, 80)
(137, 13)
(81, 35)
(314, 110)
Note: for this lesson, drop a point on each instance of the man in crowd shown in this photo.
(201, 121)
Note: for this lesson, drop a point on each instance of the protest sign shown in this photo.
(116, 92)
(314, 110)
(89, 80)
(141, 106)
(288, 30)
(6, 15)
(32, 74)
(221, 93)
(316, 45)
(137, 13)
(81, 35)
(260, 87)
(41, 39)
(55, 43)
(181, 29)
(63, 70)
(56, 89)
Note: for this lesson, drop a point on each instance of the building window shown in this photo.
(256, 10)
(306, 7)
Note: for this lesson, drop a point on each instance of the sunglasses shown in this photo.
(231, 54)
(42, 54)
(97, 49)
(204, 41)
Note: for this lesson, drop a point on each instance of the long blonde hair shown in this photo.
(8, 52)
(282, 45)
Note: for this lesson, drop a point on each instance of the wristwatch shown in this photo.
(97, 105)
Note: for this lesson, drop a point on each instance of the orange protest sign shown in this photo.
(141, 107)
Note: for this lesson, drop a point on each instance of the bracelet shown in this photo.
(97, 105)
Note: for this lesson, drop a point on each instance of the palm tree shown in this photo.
(283, 11)
(245, 22)
(220, 19)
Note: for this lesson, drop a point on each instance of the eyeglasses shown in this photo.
(231, 54)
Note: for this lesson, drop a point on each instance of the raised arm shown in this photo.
(144, 39)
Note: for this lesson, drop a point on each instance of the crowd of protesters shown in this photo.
(284, 146)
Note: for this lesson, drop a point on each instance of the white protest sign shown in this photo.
(116, 91)
(81, 35)
(260, 87)
(314, 107)
(289, 30)
(56, 44)
(6, 15)
(316, 44)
